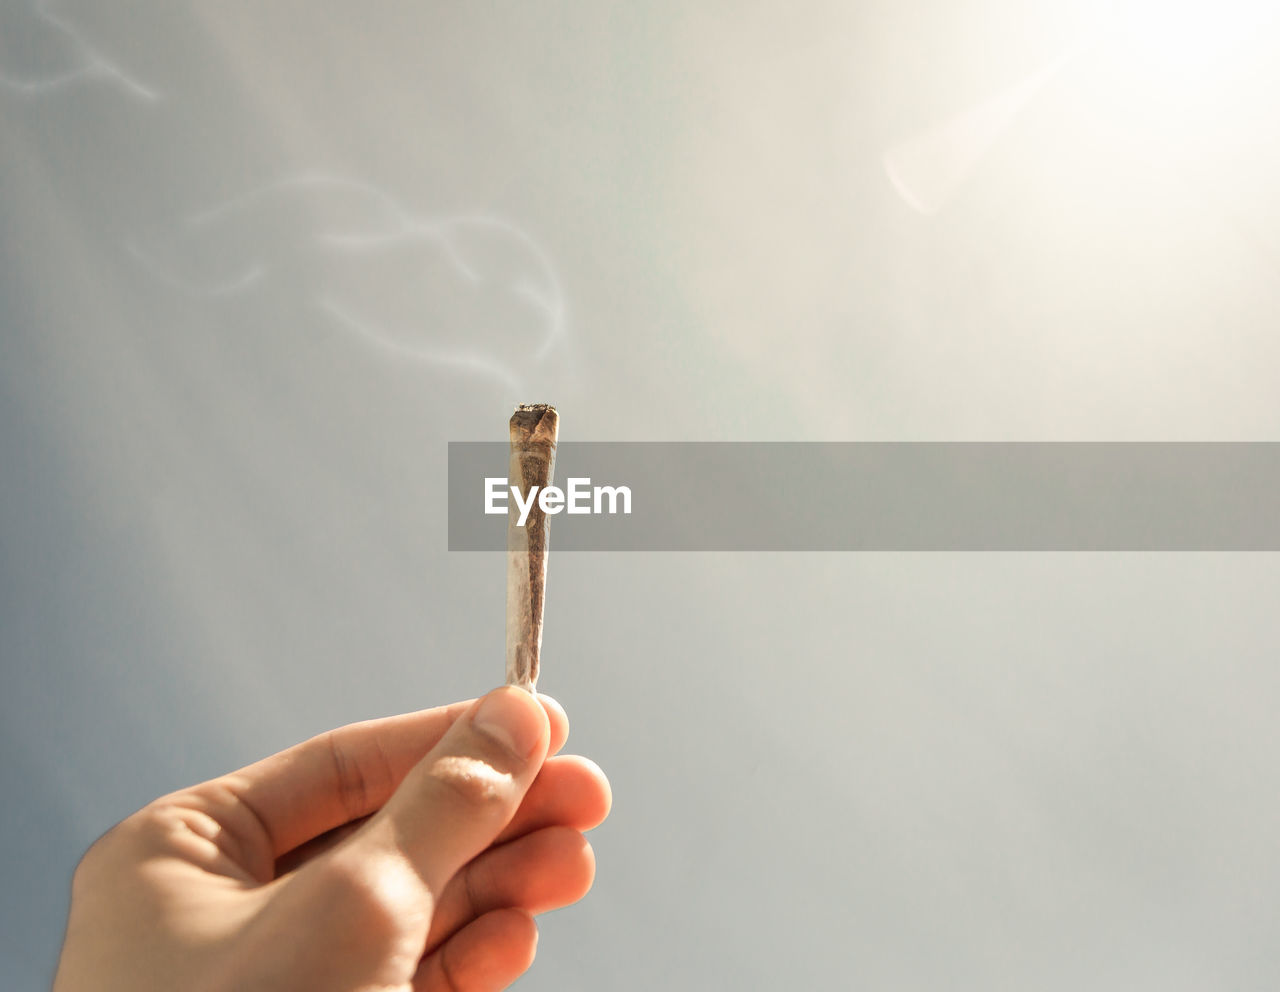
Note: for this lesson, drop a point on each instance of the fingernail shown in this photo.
(513, 718)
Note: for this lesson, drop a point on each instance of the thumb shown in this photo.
(458, 798)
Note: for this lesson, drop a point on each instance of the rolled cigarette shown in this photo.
(533, 456)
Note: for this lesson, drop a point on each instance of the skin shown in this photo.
(409, 853)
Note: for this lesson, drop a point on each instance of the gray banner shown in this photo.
(746, 496)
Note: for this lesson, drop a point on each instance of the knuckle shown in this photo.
(362, 771)
(352, 885)
(380, 896)
(120, 846)
(353, 787)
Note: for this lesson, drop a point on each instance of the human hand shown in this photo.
(407, 853)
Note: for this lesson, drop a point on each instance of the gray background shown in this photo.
(262, 261)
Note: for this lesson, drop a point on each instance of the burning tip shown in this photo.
(535, 422)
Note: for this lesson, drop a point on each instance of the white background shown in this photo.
(262, 261)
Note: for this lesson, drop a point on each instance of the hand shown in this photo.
(400, 854)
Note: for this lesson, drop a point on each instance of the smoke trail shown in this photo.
(376, 336)
(380, 232)
(93, 67)
(235, 286)
(547, 298)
